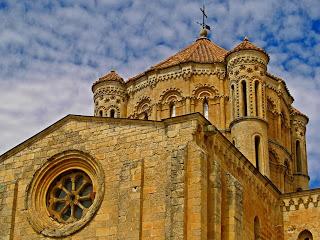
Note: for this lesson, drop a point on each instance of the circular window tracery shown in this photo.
(64, 193)
(70, 196)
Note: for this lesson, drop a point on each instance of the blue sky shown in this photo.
(52, 51)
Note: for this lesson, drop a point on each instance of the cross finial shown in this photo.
(205, 27)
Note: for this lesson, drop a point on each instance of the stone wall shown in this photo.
(147, 192)
(301, 211)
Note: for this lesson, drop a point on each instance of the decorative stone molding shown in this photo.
(109, 90)
(246, 59)
(37, 190)
(209, 90)
(271, 105)
(115, 107)
(185, 73)
(301, 200)
(170, 95)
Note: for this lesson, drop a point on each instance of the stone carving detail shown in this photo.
(36, 192)
(171, 95)
(205, 90)
(108, 90)
(299, 200)
(247, 59)
(184, 73)
(271, 105)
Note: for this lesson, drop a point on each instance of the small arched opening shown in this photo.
(298, 156)
(100, 113)
(172, 108)
(244, 99)
(145, 116)
(257, 149)
(112, 113)
(206, 108)
(256, 228)
(233, 101)
(256, 92)
(305, 235)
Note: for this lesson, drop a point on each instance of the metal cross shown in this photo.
(204, 16)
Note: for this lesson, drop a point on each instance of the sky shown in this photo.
(52, 51)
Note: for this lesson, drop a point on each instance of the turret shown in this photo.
(298, 131)
(246, 69)
(109, 95)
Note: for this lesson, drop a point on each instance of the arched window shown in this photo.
(257, 150)
(100, 113)
(305, 235)
(145, 116)
(206, 108)
(256, 228)
(234, 142)
(298, 156)
(244, 98)
(112, 113)
(256, 91)
(233, 101)
(172, 110)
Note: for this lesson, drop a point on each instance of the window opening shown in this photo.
(256, 90)
(244, 98)
(70, 196)
(145, 116)
(298, 156)
(100, 113)
(305, 235)
(206, 108)
(172, 110)
(112, 113)
(233, 100)
(257, 150)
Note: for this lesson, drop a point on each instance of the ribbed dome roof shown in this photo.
(247, 45)
(295, 111)
(201, 51)
(111, 76)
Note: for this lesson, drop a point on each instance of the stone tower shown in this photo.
(109, 94)
(298, 131)
(246, 68)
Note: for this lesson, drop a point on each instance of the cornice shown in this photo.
(184, 72)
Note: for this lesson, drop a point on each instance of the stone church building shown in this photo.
(204, 145)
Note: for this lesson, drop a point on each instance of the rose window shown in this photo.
(70, 196)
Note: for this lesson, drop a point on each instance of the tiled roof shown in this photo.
(201, 51)
(295, 111)
(111, 76)
(247, 45)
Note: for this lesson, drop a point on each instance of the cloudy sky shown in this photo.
(52, 51)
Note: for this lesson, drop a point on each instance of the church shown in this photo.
(204, 145)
